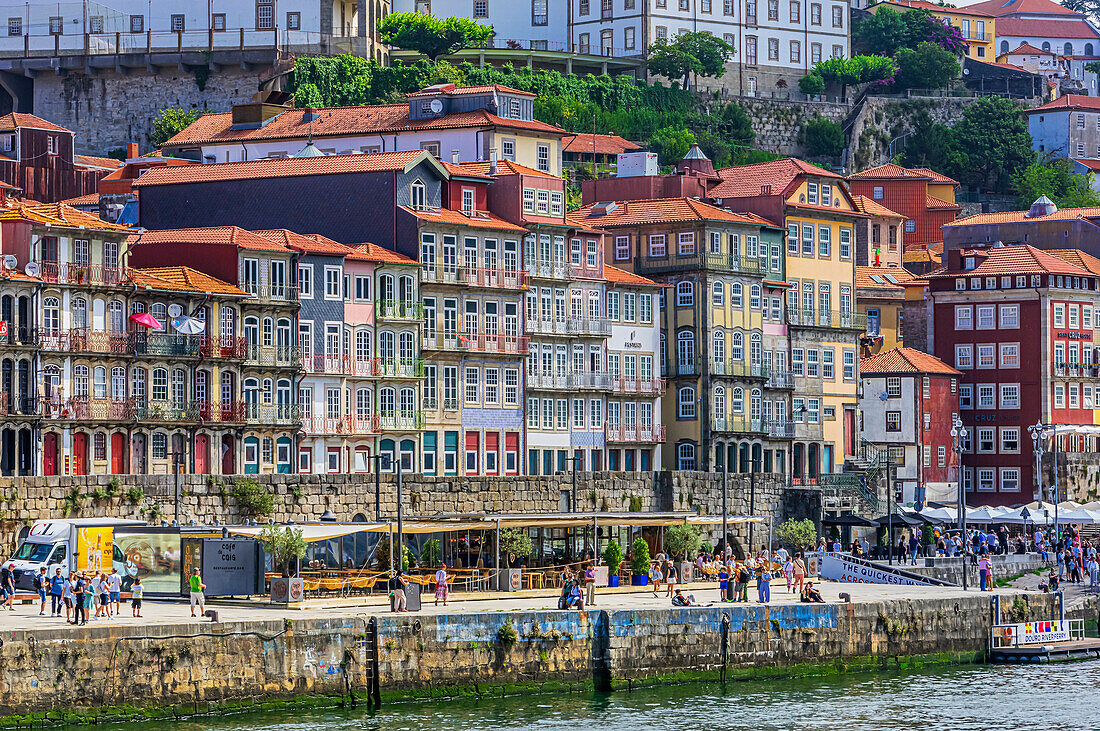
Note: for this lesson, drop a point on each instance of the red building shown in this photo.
(36, 156)
(923, 196)
(1019, 324)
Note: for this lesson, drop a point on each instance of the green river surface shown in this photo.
(987, 697)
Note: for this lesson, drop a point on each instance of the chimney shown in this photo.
(454, 156)
(131, 150)
(493, 162)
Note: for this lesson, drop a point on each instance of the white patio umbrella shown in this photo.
(1084, 517)
(1094, 505)
(941, 515)
(982, 515)
(1069, 505)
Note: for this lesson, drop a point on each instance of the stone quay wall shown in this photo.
(186, 669)
(209, 500)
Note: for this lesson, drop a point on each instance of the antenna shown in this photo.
(31, 269)
(10, 262)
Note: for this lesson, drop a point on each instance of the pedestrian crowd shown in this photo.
(81, 596)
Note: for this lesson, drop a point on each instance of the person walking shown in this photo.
(442, 591)
(137, 591)
(57, 590)
(799, 573)
(80, 610)
(114, 584)
(97, 607)
(670, 579)
(656, 577)
(983, 573)
(1093, 569)
(198, 598)
(764, 583)
(89, 596)
(41, 587)
(7, 586)
(105, 595)
(788, 573)
(590, 585)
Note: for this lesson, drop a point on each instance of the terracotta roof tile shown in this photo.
(480, 219)
(904, 360)
(312, 244)
(1036, 28)
(873, 208)
(214, 235)
(1078, 258)
(865, 277)
(585, 143)
(890, 171)
(92, 199)
(621, 276)
(1068, 102)
(504, 167)
(661, 210)
(460, 170)
(293, 124)
(1001, 8)
(280, 168)
(933, 203)
(59, 214)
(1028, 49)
(182, 279)
(14, 120)
(91, 161)
(453, 90)
(377, 254)
(925, 5)
(917, 256)
(1090, 164)
(745, 181)
(1063, 214)
(1010, 260)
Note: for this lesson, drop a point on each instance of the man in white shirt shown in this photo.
(114, 586)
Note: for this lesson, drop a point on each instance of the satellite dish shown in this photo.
(31, 269)
(174, 310)
(10, 261)
(884, 396)
(436, 106)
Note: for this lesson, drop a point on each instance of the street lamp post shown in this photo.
(1037, 442)
(958, 438)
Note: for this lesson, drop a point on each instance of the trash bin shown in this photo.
(412, 598)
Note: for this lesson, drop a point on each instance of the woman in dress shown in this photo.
(442, 590)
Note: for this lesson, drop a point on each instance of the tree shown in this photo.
(1057, 181)
(682, 540)
(927, 67)
(689, 53)
(639, 560)
(885, 31)
(671, 144)
(170, 122)
(613, 557)
(515, 542)
(429, 554)
(283, 545)
(823, 137)
(430, 35)
(798, 533)
(994, 136)
(933, 145)
(812, 84)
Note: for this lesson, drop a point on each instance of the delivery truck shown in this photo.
(71, 544)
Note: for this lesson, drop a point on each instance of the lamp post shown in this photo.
(725, 489)
(890, 512)
(958, 438)
(573, 462)
(1036, 432)
(379, 465)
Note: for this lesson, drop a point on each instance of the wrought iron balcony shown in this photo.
(81, 274)
(399, 310)
(400, 421)
(272, 355)
(586, 326)
(739, 369)
(478, 343)
(826, 318)
(697, 260)
(339, 425)
(588, 381)
(641, 386)
(634, 433)
(167, 344)
(780, 380)
(739, 425)
(83, 340)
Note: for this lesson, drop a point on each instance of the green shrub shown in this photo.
(823, 137)
(613, 556)
(253, 499)
(639, 563)
(812, 84)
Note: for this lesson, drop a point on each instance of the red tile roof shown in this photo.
(377, 254)
(1011, 260)
(182, 279)
(1028, 49)
(215, 235)
(1068, 102)
(872, 208)
(101, 163)
(934, 203)
(458, 170)
(745, 181)
(453, 90)
(92, 199)
(15, 120)
(865, 278)
(890, 171)
(1090, 164)
(1062, 214)
(504, 167)
(341, 122)
(925, 5)
(59, 214)
(281, 168)
(480, 219)
(621, 276)
(584, 143)
(1070, 28)
(1078, 258)
(1001, 8)
(904, 360)
(312, 244)
(662, 210)
(936, 177)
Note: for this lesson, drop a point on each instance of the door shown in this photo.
(227, 455)
(849, 432)
(80, 453)
(251, 456)
(49, 454)
(202, 454)
(118, 453)
(138, 460)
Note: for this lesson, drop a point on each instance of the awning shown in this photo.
(848, 519)
(900, 519)
(313, 532)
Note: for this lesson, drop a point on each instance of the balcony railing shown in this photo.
(230, 347)
(85, 341)
(232, 412)
(699, 260)
(544, 381)
(737, 369)
(781, 429)
(478, 343)
(24, 406)
(400, 421)
(739, 425)
(1077, 370)
(167, 411)
(597, 381)
(549, 270)
(642, 386)
(683, 368)
(496, 278)
(635, 433)
(166, 344)
(826, 318)
(398, 368)
(544, 326)
(586, 326)
(82, 274)
(271, 355)
(84, 408)
(340, 425)
(285, 414)
(780, 380)
(271, 293)
(399, 310)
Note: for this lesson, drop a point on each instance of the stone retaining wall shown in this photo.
(950, 569)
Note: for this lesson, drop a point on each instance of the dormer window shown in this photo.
(416, 194)
(468, 201)
(969, 263)
(513, 108)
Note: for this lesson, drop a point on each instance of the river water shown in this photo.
(1062, 696)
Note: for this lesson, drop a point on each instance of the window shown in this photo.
(985, 317)
(1010, 316)
(986, 396)
(332, 283)
(15, 26)
(539, 15)
(686, 244)
(1010, 395)
(685, 402)
(685, 456)
(815, 53)
(628, 38)
(57, 26)
(508, 150)
(846, 243)
(773, 47)
(684, 294)
(750, 49)
(910, 226)
(986, 357)
(796, 52)
(773, 10)
(305, 280)
(481, 8)
(622, 248)
(1010, 355)
(137, 23)
(815, 14)
(718, 298)
(986, 438)
(416, 194)
(544, 158)
(893, 387)
(176, 23)
(1010, 479)
(838, 16)
(796, 12)
(823, 242)
(966, 397)
(849, 365)
(964, 317)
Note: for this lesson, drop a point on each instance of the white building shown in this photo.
(1044, 24)
(539, 25)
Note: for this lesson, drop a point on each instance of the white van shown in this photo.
(56, 544)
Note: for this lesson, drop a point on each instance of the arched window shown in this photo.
(387, 401)
(160, 384)
(136, 307)
(227, 326)
(282, 335)
(736, 295)
(416, 194)
(99, 382)
(269, 391)
(685, 294)
(1046, 46)
(405, 349)
(252, 330)
(228, 392)
(718, 296)
(283, 392)
(159, 310)
(685, 456)
(386, 288)
(719, 402)
(80, 380)
(362, 345)
(364, 401)
(1067, 50)
(202, 386)
(407, 401)
(664, 354)
(251, 388)
(737, 347)
(754, 297)
(685, 351)
(755, 405)
(1004, 46)
(387, 349)
(685, 403)
(1088, 49)
(719, 350)
(406, 289)
(269, 332)
(115, 319)
(737, 400)
(80, 313)
(51, 314)
(137, 386)
(755, 350)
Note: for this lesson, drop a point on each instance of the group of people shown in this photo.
(82, 595)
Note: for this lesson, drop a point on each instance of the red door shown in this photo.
(202, 454)
(80, 453)
(227, 454)
(849, 432)
(49, 454)
(118, 453)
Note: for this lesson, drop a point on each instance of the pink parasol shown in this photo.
(144, 318)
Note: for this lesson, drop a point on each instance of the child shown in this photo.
(788, 572)
(136, 592)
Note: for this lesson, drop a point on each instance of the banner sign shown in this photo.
(841, 567)
(1033, 633)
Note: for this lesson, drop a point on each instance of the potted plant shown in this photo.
(429, 554)
(612, 558)
(640, 562)
(285, 545)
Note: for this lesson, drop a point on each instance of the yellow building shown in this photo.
(977, 28)
(823, 325)
(880, 298)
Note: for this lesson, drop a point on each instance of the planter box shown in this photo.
(639, 579)
(510, 580)
(613, 581)
(287, 591)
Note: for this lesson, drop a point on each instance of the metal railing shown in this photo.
(82, 274)
(272, 355)
(227, 347)
(546, 326)
(19, 406)
(399, 310)
(494, 278)
(284, 414)
(166, 344)
(586, 326)
(683, 369)
(739, 425)
(547, 381)
(826, 318)
(781, 429)
(549, 270)
(780, 379)
(597, 381)
(478, 343)
(635, 433)
(738, 369)
(642, 386)
(83, 340)
(340, 425)
(698, 260)
(272, 294)
(400, 368)
(400, 421)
